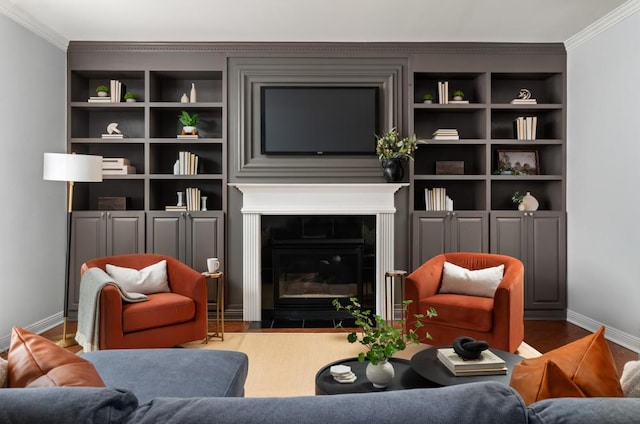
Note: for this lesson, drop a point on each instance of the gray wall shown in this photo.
(32, 216)
(603, 202)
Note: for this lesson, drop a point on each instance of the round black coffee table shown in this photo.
(405, 378)
(427, 364)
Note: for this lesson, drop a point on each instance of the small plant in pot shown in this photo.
(428, 98)
(130, 97)
(517, 199)
(458, 95)
(189, 122)
(381, 338)
(102, 90)
(393, 151)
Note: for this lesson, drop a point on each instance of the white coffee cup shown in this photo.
(213, 264)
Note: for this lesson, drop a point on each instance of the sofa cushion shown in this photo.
(159, 310)
(582, 411)
(586, 362)
(64, 405)
(153, 373)
(459, 311)
(148, 280)
(4, 376)
(36, 362)
(479, 282)
(630, 379)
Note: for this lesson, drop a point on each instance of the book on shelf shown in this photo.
(116, 91)
(525, 127)
(487, 360)
(436, 199)
(118, 169)
(459, 102)
(524, 102)
(99, 100)
(116, 136)
(470, 373)
(193, 199)
(175, 208)
(188, 136)
(115, 161)
(445, 134)
(443, 92)
(186, 164)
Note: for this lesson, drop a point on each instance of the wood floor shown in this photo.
(542, 335)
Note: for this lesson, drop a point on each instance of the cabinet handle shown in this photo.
(101, 214)
(108, 215)
(453, 214)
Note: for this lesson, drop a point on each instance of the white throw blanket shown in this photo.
(92, 282)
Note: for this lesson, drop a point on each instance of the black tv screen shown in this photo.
(319, 120)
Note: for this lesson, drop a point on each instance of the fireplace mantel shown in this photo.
(313, 199)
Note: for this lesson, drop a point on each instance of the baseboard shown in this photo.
(37, 328)
(612, 334)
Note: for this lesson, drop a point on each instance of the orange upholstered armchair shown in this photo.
(165, 320)
(499, 320)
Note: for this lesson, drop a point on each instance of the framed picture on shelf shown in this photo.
(524, 162)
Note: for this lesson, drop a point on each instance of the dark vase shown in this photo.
(393, 170)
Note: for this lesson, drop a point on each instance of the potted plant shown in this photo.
(428, 98)
(130, 97)
(393, 151)
(458, 95)
(517, 199)
(189, 122)
(102, 90)
(381, 338)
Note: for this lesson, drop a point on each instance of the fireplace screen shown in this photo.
(304, 274)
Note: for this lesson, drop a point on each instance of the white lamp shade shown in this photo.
(72, 167)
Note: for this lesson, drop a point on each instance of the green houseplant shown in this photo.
(102, 90)
(393, 151)
(428, 98)
(458, 95)
(130, 96)
(189, 122)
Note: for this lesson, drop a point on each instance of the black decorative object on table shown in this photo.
(469, 348)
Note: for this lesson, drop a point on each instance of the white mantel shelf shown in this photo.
(313, 199)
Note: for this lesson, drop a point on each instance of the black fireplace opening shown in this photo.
(307, 261)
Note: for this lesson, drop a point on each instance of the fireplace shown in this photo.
(307, 261)
(262, 200)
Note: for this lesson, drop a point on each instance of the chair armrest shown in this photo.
(508, 305)
(421, 283)
(185, 280)
(111, 326)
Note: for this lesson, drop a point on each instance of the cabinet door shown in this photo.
(125, 232)
(430, 236)
(546, 271)
(204, 239)
(88, 241)
(166, 234)
(509, 235)
(469, 231)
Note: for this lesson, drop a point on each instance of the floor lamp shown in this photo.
(70, 168)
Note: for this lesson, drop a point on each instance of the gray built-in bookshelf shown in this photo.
(483, 218)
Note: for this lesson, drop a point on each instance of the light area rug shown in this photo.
(285, 364)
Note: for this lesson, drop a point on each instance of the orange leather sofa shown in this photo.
(498, 320)
(165, 320)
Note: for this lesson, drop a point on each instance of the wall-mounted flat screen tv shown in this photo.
(319, 120)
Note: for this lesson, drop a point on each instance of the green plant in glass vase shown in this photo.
(381, 338)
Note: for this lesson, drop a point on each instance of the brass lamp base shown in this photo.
(66, 341)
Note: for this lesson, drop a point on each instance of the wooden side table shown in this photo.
(218, 276)
(389, 278)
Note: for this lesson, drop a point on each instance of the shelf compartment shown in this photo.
(91, 122)
(163, 192)
(549, 123)
(169, 86)
(86, 194)
(83, 84)
(550, 156)
(548, 192)
(470, 123)
(163, 156)
(164, 122)
(544, 87)
(133, 152)
(472, 84)
(466, 194)
(473, 156)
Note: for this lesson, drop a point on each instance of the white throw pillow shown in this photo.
(481, 282)
(152, 279)
(4, 373)
(630, 380)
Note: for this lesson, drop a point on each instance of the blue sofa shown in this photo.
(199, 386)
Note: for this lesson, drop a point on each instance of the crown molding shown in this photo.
(607, 21)
(15, 13)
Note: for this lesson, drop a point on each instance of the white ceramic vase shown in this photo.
(188, 129)
(530, 203)
(380, 374)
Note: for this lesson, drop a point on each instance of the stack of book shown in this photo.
(488, 364)
(525, 127)
(524, 102)
(446, 134)
(443, 92)
(175, 208)
(436, 199)
(113, 136)
(117, 166)
(99, 99)
(188, 136)
(187, 164)
(193, 199)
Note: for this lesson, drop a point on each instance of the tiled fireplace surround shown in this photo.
(313, 199)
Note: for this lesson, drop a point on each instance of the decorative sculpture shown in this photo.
(468, 348)
(112, 128)
(524, 94)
